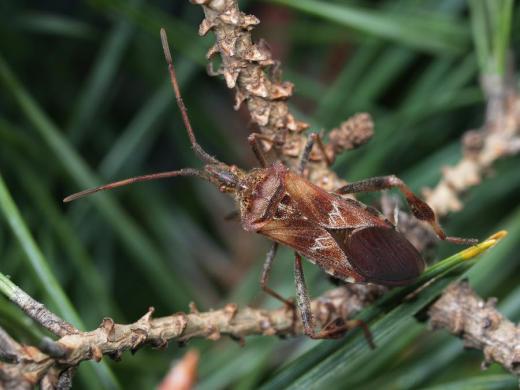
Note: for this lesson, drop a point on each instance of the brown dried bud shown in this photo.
(352, 133)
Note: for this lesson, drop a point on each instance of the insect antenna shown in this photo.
(137, 179)
(201, 153)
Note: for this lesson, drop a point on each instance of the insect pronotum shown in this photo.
(344, 237)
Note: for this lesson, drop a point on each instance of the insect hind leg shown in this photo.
(335, 328)
(419, 207)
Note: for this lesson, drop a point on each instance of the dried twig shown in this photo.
(250, 70)
(463, 313)
(18, 362)
(499, 137)
(40, 314)
(29, 366)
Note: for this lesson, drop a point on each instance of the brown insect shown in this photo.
(344, 237)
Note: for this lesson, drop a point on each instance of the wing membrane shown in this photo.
(313, 242)
(383, 256)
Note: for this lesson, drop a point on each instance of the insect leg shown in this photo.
(302, 298)
(304, 158)
(321, 146)
(201, 153)
(264, 279)
(253, 141)
(335, 328)
(419, 208)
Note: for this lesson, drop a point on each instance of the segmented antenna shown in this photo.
(201, 153)
(162, 175)
(137, 179)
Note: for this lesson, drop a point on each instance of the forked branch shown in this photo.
(250, 70)
(25, 367)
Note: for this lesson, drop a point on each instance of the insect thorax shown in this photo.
(259, 196)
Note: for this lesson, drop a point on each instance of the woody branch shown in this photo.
(463, 313)
(498, 137)
(255, 76)
(25, 367)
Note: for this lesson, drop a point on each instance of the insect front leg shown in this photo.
(266, 272)
(335, 328)
(305, 156)
(419, 208)
(257, 150)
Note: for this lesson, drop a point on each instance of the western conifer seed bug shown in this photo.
(344, 237)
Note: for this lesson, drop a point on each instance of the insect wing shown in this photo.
(383, 256)
(313, 242)
(329, 210)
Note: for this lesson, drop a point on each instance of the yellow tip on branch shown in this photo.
(476, 250)
(498, 235)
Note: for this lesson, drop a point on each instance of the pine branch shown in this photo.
(35, 310)
(499, 137)
(26, 366)
(463, 313)
(250, 70)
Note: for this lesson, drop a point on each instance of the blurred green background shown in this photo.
(85, 99)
